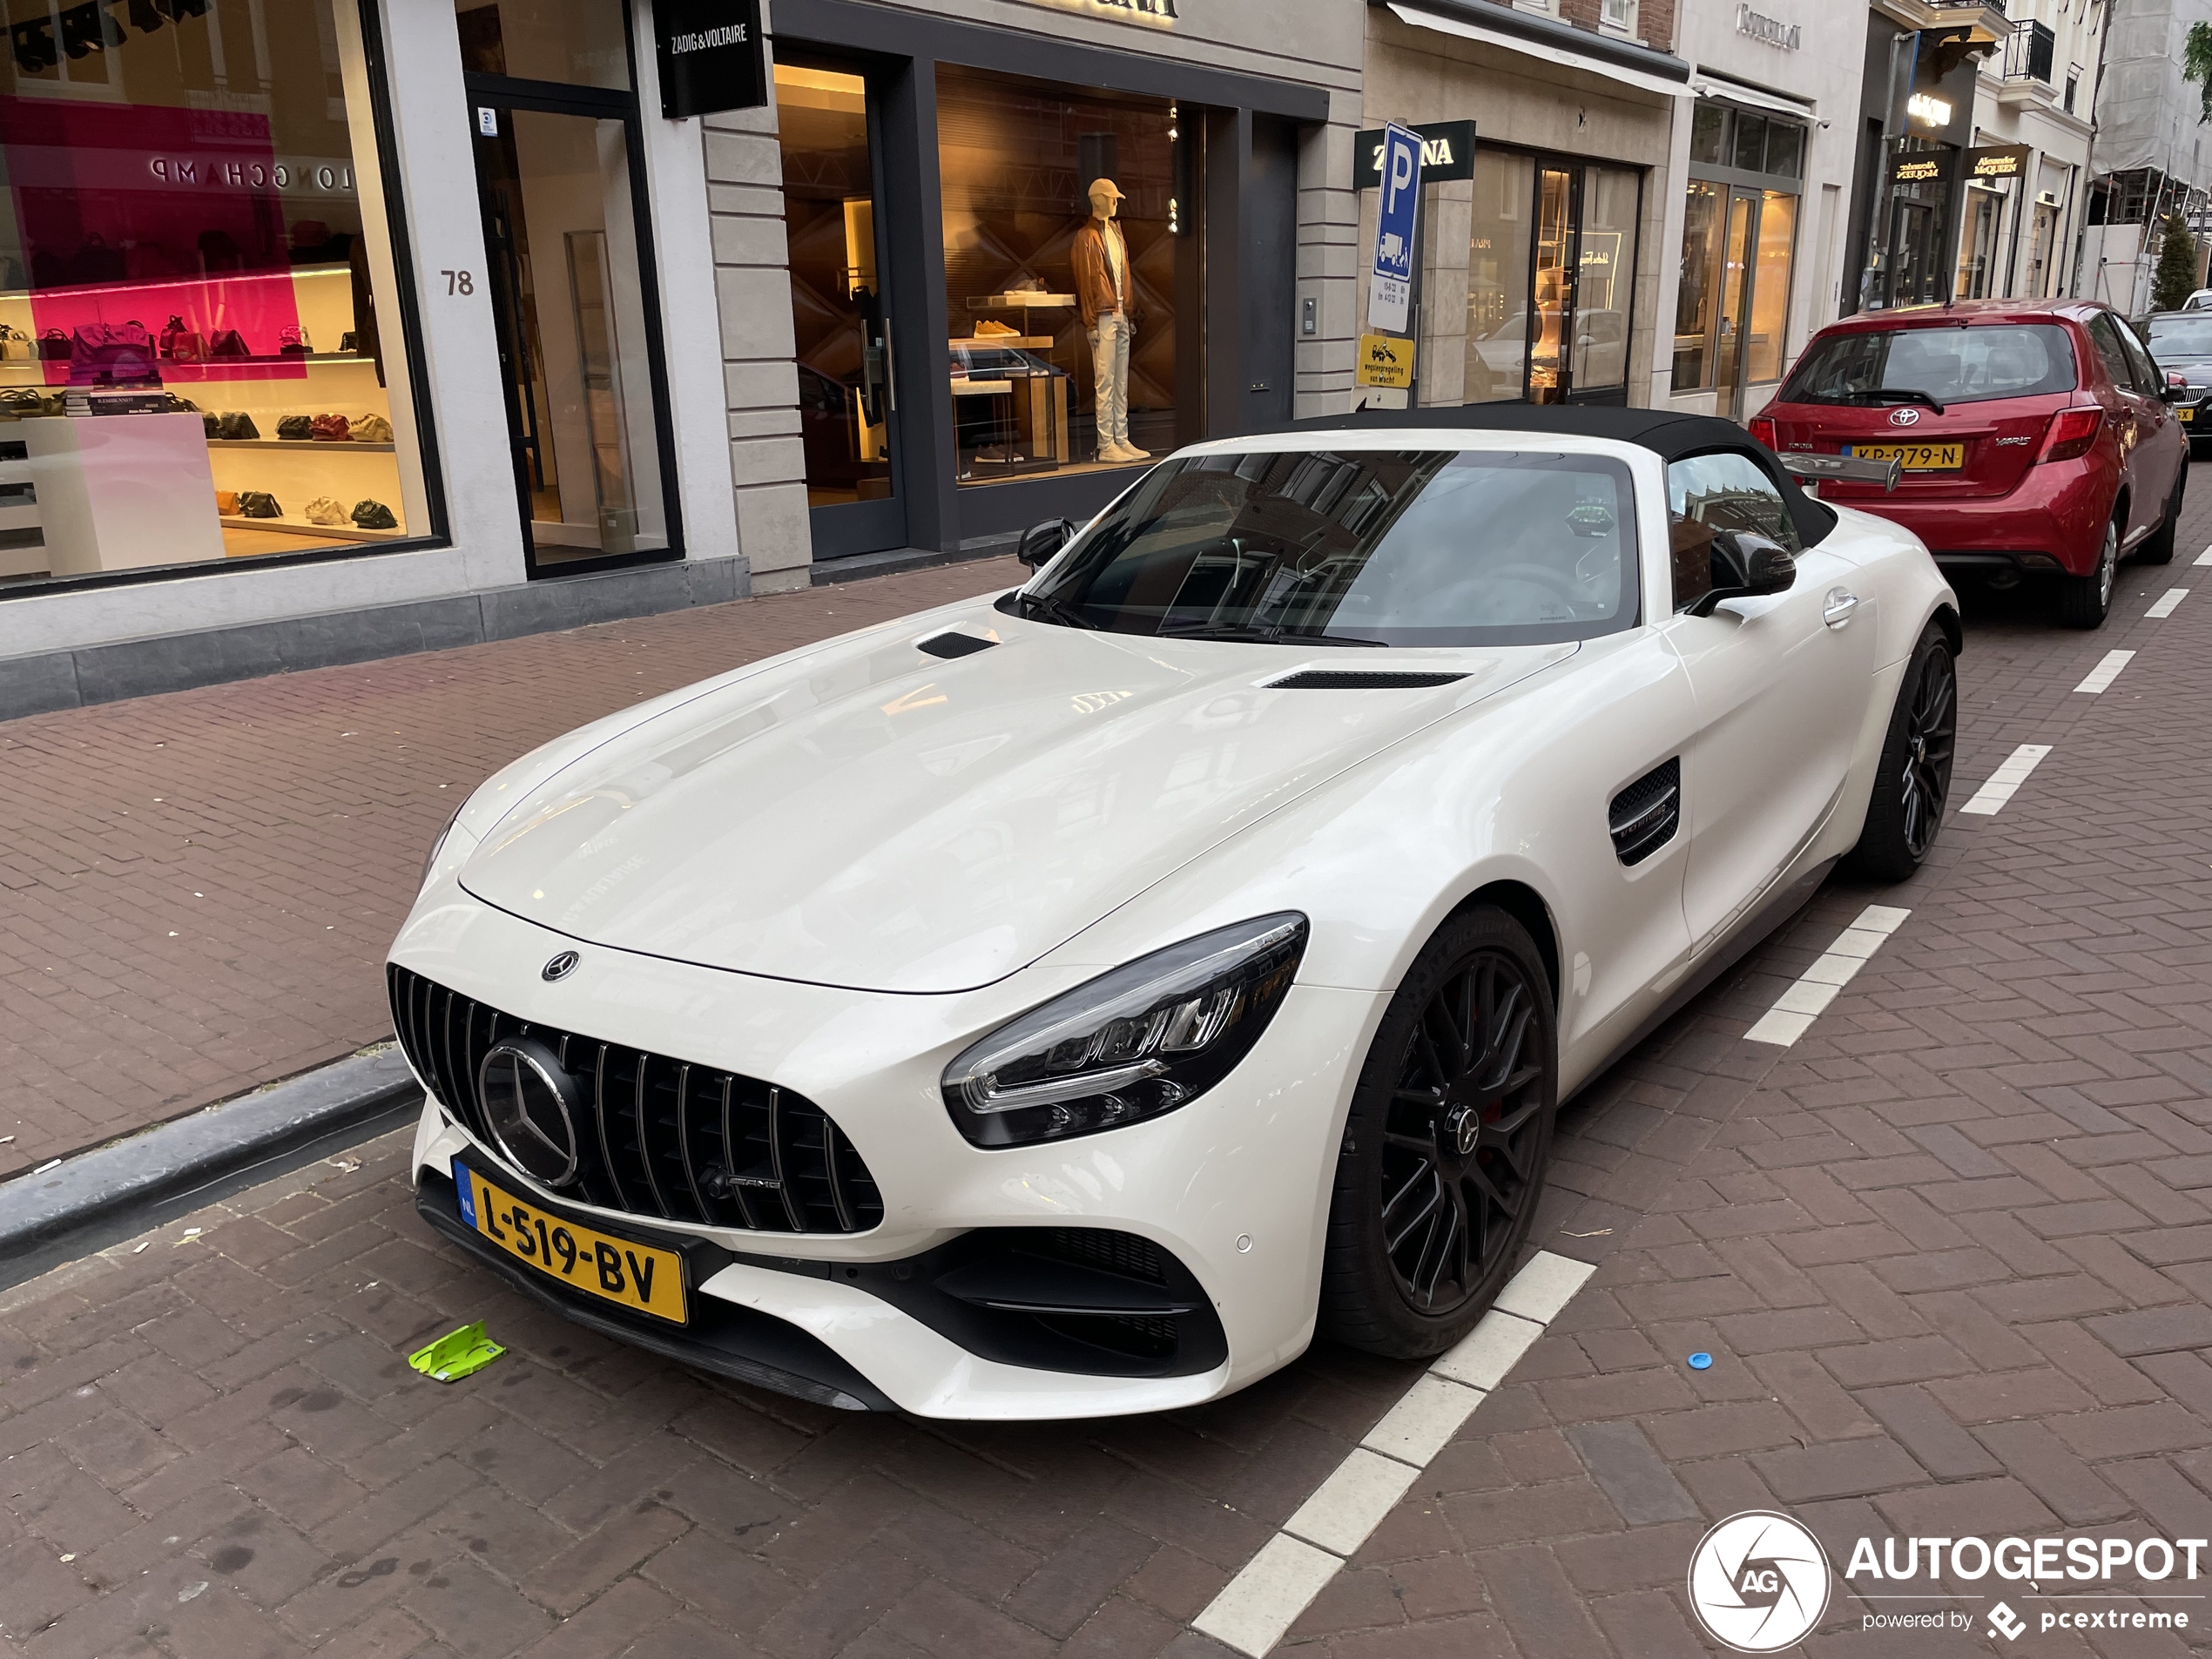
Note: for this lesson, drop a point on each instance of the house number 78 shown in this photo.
(459, 281)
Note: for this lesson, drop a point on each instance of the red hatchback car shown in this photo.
(2035, 436)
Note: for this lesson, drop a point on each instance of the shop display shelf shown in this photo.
(28, 367)
(319, 446)
(296, 525)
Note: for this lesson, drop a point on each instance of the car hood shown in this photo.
(877, 817)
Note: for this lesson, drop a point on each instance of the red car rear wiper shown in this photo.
(1890, 394)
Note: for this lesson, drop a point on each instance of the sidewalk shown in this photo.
(197, 890)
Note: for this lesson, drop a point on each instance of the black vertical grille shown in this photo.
(663, 1139)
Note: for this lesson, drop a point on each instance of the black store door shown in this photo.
(568, 249)
(1583, 280)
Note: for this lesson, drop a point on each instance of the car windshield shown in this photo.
(2181, 336)
(1945, 362)
(1358, 547)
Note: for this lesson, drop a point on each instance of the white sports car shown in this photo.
(1072, 1001)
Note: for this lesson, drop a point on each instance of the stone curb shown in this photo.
(38, 1209)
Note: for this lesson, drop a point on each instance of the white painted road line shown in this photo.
(1998, 788)
(2205, 557)
(1799, 1006)
(1258, 1606)
(2106, 672)
(2167, 603)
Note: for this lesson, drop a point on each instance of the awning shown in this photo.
(1565, 56)
(1730, 92)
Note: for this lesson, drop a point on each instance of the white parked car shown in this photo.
(2201, 301)
(1073, 1002)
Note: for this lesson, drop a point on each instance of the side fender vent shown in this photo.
(954, 644)
(1340, 680)
(1646, 814)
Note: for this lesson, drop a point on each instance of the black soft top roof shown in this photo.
(1667, 434)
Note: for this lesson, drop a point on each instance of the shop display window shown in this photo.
(1064, 328)
(201, 351)
(1739, 240)
(837, 299)
(1497, 348)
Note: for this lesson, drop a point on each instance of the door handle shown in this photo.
(1841, 603)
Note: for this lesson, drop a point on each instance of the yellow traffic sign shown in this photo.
(1384, 360)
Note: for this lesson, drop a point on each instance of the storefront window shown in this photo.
(1064, 325)
(1605, 280)
(1739, 239)
(1977, 245)
(1497, 348)
(580, 42)
(201, 351)
(836, 287)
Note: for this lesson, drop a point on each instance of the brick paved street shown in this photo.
(197, 890)
(1950, 1253)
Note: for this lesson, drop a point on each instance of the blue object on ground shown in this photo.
(1701, 1362)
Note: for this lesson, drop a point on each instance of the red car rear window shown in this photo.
(1951, 365)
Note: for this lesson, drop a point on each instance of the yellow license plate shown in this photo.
(1914, 457)
(614, 1270)
(2188, 412)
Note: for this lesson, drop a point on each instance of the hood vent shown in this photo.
(954, 644)
(1351, 679)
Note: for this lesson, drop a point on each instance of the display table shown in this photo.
(117, 492)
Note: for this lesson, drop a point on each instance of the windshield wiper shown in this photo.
(1045, 605)
(1265, 636)
(1890, 394)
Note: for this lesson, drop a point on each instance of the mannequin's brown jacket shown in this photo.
(1095, 275)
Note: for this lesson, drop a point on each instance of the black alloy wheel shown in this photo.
(1931, 735)
(1443, 1158)
(1912, 778)
(2085, 601)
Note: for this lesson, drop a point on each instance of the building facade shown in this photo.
(1765, 152)
(2151, 155)
(330, 328)
(1541, 266)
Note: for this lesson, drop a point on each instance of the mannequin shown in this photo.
(1104, 286)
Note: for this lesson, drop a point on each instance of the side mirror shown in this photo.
(1041, 542)
(2177, 387)
(1745, 566)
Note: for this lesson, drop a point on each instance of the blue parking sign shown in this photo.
(1390, 285)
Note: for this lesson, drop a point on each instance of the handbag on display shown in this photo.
(227, 502)
(296, 426)
(330, 428)
(172, 404)
(258, 503)
(228, 343)
(372, 429)
(237, 425)
(15, 343)
(111, 352)
(21, 403)
(212, 424)
(325, 509)
(350, 340)
(53, 345)
(374, 515)
(183, 345)
(293, 342)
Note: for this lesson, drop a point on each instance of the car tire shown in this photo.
(2157, 547)
(1442, 1160)
(1912, 780)
(2085, 601)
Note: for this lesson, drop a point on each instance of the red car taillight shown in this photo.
(2071, 432)
(1761, 428)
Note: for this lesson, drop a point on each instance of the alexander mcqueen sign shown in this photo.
(713, 56)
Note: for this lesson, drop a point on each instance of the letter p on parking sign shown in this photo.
(1390, 284)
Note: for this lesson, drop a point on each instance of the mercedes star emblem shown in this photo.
(1906, 416)
(560, 966)
(531, 1106)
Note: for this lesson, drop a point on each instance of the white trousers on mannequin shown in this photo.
(1110, 343)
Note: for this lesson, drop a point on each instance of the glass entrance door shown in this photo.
(569, 303)
(1571, 343)
(840, 328)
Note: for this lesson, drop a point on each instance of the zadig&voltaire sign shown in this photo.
(1784, 37)
(1155, 11)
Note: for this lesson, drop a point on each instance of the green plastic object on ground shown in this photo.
(456, 1354)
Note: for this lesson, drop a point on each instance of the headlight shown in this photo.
(1131, 1044)
(438, 845)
